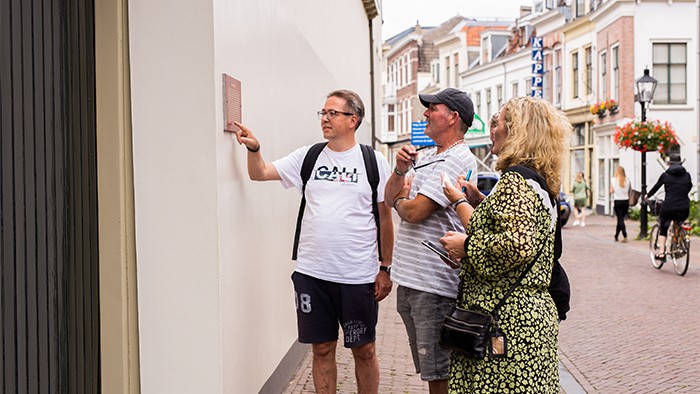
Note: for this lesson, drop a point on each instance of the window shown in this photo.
(615, 73)
(670, 69)
(574, 73)
(456, 68)
(557, 76)
(528, 86)
(546, 78)
(447, 71)
(407, 116)
(435, 70)
(478, 103)
(488, 103)
(391, 114)
(499, 96)
(515, 90)
(578, 138)
(580, 8)
(539, 6)
(604, 94)
(407, 65)
(589, 71)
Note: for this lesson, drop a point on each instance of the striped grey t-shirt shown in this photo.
(415, 266)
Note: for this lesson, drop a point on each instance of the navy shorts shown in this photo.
(321, 305)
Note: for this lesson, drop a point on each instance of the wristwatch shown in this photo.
(385, 268)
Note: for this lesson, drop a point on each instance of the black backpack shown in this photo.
(372, 177)
(559, 287)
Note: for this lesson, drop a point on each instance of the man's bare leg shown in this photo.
(324, 369)
(366, 368)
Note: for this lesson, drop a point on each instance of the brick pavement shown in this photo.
(395, 364)
(632, 328)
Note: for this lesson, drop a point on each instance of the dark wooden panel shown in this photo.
(49, 300)
(8, 377)
(19, 202)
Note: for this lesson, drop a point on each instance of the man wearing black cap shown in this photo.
(677, 184)
(427, 286)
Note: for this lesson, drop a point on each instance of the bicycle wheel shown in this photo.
(681, 251)
(654, 247)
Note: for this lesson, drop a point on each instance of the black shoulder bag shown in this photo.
(469, 332)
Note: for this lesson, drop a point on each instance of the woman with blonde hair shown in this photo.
(580, 192)
(620, 189)
(508, 234)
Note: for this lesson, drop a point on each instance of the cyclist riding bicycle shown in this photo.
(676, 207)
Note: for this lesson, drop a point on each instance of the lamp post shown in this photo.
(646, 85)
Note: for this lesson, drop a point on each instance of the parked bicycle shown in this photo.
(677, 242)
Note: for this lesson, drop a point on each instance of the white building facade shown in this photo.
(593, 52)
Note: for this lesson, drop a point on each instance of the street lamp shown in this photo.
(646, 85)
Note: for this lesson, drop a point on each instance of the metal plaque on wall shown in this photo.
(232, 103)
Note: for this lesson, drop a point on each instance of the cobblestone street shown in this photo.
(631, 328)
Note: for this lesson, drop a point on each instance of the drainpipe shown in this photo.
(371, 83)
(697, 106)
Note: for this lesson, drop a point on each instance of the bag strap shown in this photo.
(306, 168)
(527, 269)
(373, 178)
(527, 173)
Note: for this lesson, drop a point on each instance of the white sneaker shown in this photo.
(576, 223)
(583, 224)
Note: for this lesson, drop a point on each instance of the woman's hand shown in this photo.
(471, 192)
(453, 242)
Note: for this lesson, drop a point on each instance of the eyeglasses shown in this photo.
(415, 168)
(332, 113)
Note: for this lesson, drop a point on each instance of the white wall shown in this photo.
(216, 307)
(676, 22)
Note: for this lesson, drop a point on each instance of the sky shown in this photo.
(399, 15)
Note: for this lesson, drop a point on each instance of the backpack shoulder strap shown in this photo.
(559, 287)
(370, 160)
(306, 167)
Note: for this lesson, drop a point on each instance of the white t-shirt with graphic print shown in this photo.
(338, 241)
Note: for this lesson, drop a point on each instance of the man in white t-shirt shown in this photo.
(337, 278)
(428, 286)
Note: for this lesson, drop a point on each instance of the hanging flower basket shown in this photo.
(646, 136)
(612, 106)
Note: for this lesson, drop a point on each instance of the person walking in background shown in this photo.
(511, 229)
(336, 278)
(428, 287)
(580, 190)
(620, 189)
(677, 184)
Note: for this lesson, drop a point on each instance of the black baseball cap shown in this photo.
(455, 100)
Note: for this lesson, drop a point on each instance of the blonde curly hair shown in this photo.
(538, 137)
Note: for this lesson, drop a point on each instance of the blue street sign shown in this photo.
(537, 68)
(418, 137)
(537, 93)
(537, 55)
(537, 82)
(537, 42)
